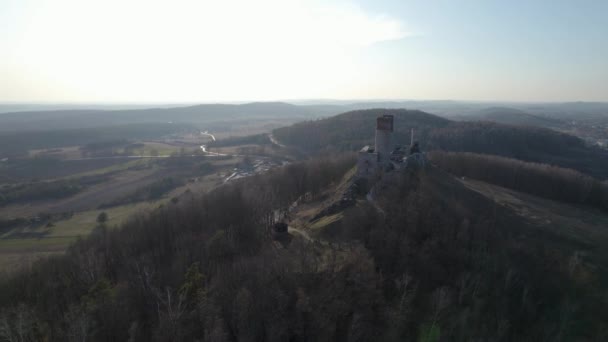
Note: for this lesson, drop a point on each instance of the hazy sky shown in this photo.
(205, 51)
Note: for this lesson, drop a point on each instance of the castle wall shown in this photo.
(367, 162)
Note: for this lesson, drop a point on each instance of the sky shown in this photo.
(135, 51)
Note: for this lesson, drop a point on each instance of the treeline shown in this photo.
(201, 269)
(543, 180)
(108, 148)
(43, 190)
(522, 142)
(527, 143)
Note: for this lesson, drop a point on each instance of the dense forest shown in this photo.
(477, 272)
(353, 130)
(350, 131)
(521, 142)
(134, 282)
(440, 262)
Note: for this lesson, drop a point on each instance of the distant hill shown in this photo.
(513, 116)
(352, 130)
(210, 114)
(578, 111)
(48, 117)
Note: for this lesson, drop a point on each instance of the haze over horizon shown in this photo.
(69, 51)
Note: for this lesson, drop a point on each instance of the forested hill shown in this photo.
(430, 260)
(353, 130)
(513, 116)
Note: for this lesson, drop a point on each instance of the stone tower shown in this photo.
(384, 137)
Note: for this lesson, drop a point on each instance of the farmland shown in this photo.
(120, 177)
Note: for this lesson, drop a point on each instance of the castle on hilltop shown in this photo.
(386, 156)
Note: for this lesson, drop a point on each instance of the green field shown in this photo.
(19, 247)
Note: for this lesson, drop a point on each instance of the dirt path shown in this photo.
(301, 233)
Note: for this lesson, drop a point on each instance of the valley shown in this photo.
(127, 177)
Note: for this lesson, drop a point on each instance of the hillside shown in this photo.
(18, 143)
(497, 242)
(432, 258)
(352, 130)
(513, 116)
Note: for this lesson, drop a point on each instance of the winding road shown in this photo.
(204, 149)
(274, 140)
(208, 134)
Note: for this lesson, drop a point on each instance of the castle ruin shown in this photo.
(386, 156)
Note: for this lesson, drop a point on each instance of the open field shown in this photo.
(122, 166)
(22, 246)
(68, 152)
(153, 148)
(124, 179)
